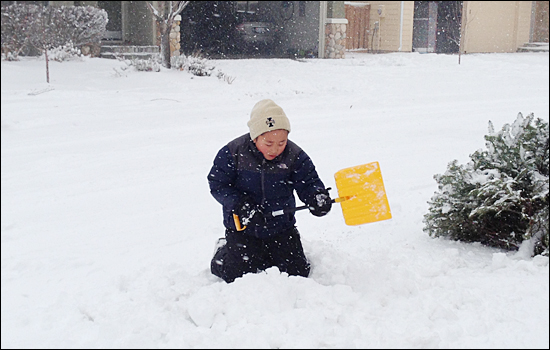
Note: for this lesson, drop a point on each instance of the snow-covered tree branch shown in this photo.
(165, 12)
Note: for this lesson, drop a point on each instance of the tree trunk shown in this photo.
(165, 14)
(47, 66)
(165, 47)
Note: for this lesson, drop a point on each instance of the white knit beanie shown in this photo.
(267, 116)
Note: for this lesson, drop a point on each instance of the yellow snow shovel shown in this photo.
(361, 194)
(364, 187)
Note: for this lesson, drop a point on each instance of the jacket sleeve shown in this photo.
(221, 180)
(305, 178)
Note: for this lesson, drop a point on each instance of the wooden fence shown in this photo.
(357, 36)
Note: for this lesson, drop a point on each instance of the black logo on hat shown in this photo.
(270, 122)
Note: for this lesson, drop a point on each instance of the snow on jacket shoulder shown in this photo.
(240, 170)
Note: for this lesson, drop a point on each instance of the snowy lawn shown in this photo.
(108, 226)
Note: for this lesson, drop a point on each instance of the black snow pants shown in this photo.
(243, 253)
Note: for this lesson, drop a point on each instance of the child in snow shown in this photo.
(253, 176)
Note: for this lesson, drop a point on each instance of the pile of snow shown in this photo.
(108, 226)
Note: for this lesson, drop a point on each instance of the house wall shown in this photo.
(395, 28)
(495, 26)
(138, 23)
(490, 26)
(524, 11)
(407, 26)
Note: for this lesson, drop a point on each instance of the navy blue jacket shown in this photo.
(240, 169)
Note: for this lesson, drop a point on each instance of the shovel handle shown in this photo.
(239, 227)
(292, 210)
(238, 223)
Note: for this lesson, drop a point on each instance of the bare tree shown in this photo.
(46, 29)
(165, 13)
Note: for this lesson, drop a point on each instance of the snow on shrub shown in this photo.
(500, 198)
(26, 27)
(193, 64)
(17, 26)
(65, 53)
(146, 65)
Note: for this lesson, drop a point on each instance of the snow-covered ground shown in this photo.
(108, 226)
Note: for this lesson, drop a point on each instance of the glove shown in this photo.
(321, 203)
(249, 213)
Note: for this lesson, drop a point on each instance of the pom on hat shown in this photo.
(267, 116)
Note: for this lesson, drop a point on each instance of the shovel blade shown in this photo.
(364, 186)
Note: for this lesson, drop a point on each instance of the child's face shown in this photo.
(272, 143)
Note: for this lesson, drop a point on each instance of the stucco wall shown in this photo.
(408, 18)
(496, 26)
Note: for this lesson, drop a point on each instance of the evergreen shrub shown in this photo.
(499, 198)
